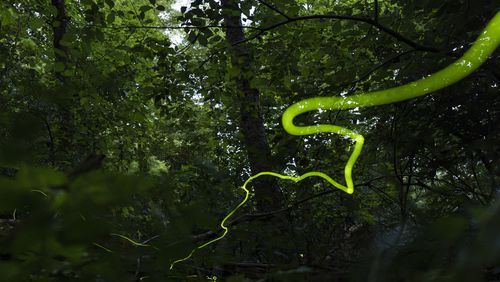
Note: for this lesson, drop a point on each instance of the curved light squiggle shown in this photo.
(477, 54)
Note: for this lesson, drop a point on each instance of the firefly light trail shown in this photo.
(483, 47)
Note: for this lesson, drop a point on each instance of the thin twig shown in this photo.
(391, 60)
(273, 8)
(174, 26)
(262, 30)
(150, 239)
(372, 22)
(251, 217)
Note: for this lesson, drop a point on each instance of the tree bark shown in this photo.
(63, 150)
(59, 27)
(251, 120)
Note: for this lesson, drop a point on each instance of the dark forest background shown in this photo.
(128, 126)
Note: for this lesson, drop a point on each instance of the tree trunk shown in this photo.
(59, 27)
(63, 147)
(251, 121)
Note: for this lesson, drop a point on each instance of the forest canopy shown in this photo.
(127, 129)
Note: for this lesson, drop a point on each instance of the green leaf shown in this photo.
(198, 21)
(110, 3)
(7, 16)
(202, 39)
(192, 36)
(37, 22)
(198, 13)
(58, 67)
(111, 18)
(145, 8)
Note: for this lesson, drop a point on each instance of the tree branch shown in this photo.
(369, 21)
(51, 142)
(174, 27)
(273, 8)
(262, 30)
(389, 61)
(265, 215)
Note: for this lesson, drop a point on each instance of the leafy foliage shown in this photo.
(121, 145)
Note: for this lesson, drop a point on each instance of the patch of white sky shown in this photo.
(179, 3)
(177, 36)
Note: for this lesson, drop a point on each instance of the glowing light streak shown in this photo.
(483, 47)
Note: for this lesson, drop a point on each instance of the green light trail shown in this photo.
(478, 53)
